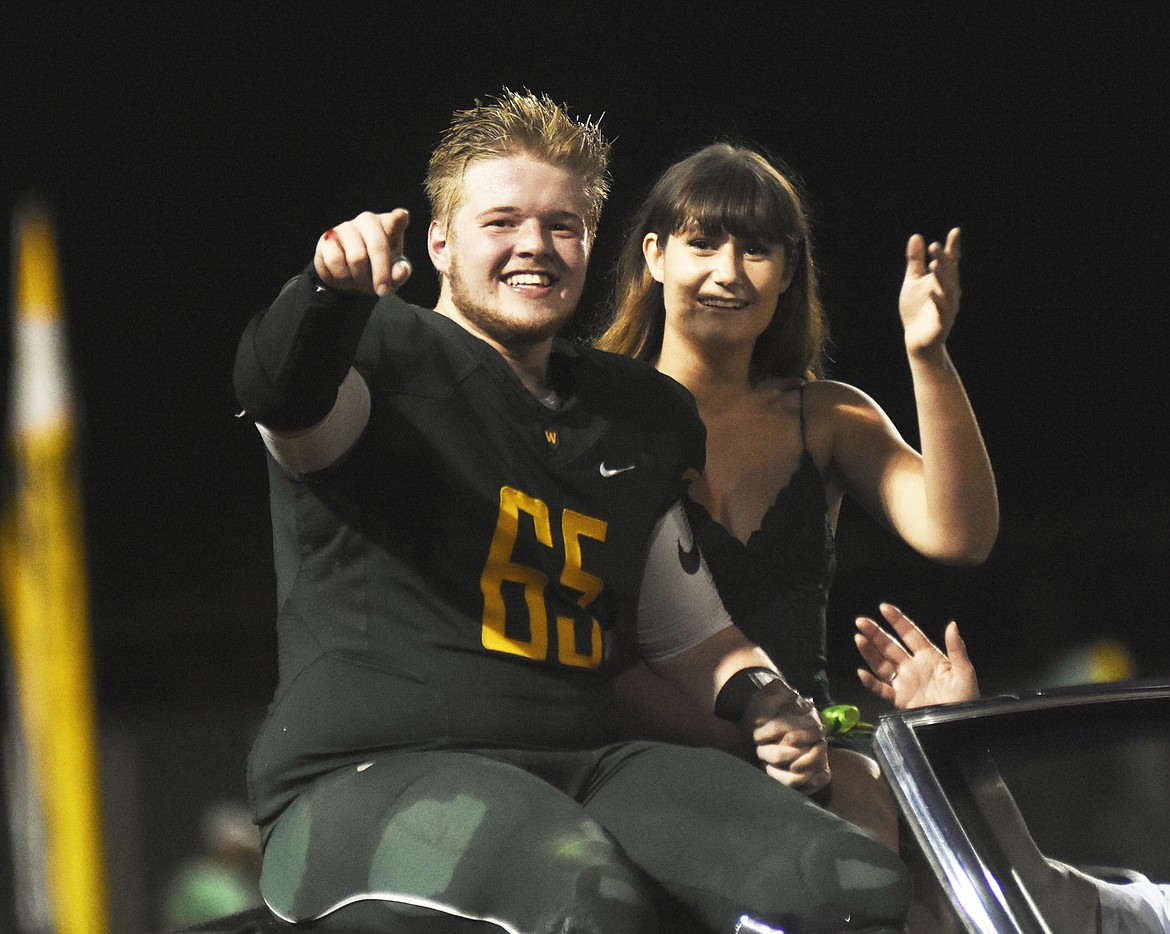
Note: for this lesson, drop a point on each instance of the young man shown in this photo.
(476, 531)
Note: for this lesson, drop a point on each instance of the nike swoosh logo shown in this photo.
(614, 471)
(688, 558)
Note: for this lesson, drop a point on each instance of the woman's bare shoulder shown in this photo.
(831, 393)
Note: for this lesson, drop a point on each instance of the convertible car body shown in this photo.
(1047, 812)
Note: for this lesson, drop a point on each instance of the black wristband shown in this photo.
(738, 690)
(319, 283)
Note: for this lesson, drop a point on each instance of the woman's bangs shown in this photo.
(739, 203)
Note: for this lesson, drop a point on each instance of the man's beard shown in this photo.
(502, 329)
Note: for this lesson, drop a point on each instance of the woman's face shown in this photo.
(718, 288)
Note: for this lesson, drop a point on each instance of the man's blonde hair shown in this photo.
(518, 124)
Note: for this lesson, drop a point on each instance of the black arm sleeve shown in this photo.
(292, 357)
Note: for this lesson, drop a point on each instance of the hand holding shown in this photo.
(913, 672)
(929, 301)
(364, 254)
(789, 737)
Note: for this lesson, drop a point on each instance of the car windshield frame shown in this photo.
(941, 765)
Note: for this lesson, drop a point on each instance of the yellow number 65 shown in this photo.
(500, 568)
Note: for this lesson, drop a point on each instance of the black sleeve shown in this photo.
(293, 356)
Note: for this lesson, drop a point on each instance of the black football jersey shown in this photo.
(466, 573)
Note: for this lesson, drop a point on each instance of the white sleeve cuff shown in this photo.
(323, 444)
(1135, 908)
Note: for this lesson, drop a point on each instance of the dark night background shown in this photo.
(192, 153)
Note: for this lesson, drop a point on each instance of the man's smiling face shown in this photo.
(514, 254)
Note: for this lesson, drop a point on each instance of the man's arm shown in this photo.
(293, 372)
(734, 678)
(688, 640)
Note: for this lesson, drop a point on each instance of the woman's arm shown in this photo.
(942, 501)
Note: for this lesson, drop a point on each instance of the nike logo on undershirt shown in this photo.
(614, 471)
(688, 558)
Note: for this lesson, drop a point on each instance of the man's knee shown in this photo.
(834, 879)
(852, 876)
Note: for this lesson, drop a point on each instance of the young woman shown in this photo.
(716, 286)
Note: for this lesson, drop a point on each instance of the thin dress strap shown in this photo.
(803, 439)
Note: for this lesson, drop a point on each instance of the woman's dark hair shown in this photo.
(724, 188)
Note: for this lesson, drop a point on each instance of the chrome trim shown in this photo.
(968, 881)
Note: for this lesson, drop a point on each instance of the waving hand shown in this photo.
(913, 672)
(929, 301)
